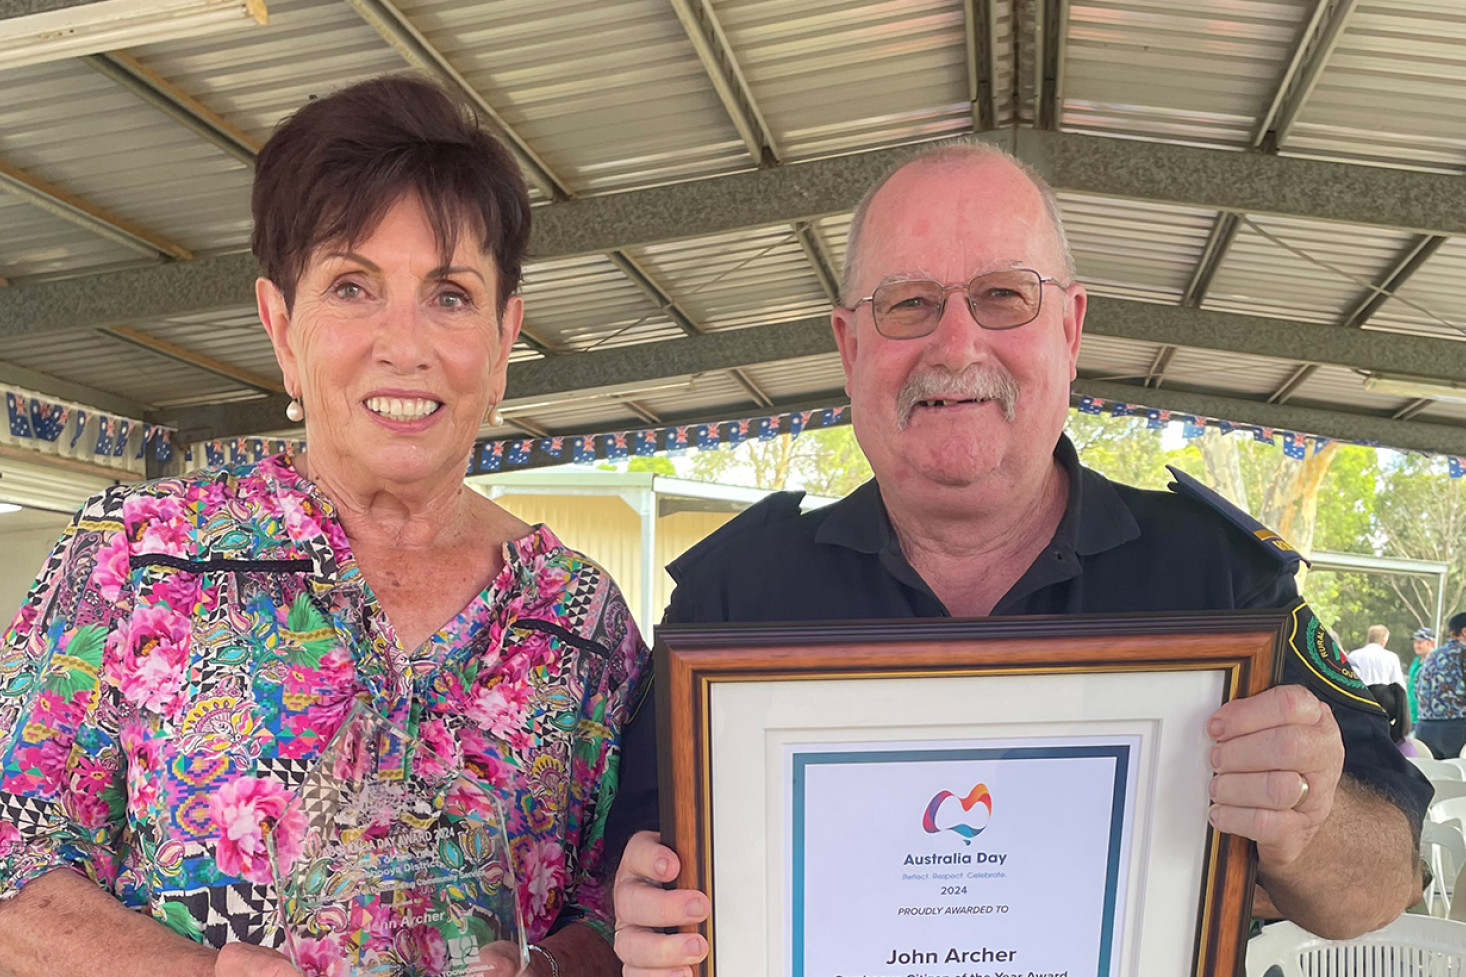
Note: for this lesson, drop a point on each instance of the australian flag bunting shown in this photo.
(707, 436)
(676, 440)
(1156, 419)
(797, 421)
(582, 452)
(643, 443)
(1192, 426)
(737, 432)
(1263, 434)
(20, 416)
(1091, 405)
(1294, 446)
(831, 416)
(552, 446)
(1118, 409)
(516, 453)
(767, 428)
(1457, 466)
(615, 446)
(47, 420)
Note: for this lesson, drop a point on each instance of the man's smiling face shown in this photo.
(964, 406)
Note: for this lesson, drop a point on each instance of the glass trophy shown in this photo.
(389, 862)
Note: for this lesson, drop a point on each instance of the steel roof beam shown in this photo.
(1415, 255)
(1049, 82)
(1316, 44)
(152, 88)
(819, 261)
(1217, 179)
(629, 368)
(70, 207)
(1341, 425)
(172, 351)
(77, 393)
(700, 22)
(414, 48)
(980, 31)
(1290, 386)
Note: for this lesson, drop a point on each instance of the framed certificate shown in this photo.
(954, 798)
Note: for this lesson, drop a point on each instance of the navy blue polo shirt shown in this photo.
(1117, 549)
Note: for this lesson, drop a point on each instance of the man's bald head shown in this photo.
(962, 152)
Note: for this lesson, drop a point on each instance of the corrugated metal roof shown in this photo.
(1336, 385)
(1104, 357)
(1394, 90)
(1264, 277)
(1257, 375)
(108, 147)
(1196, 72)
(1434, 293)
(832, 76)
(748, 278)
(109, 364)
(1132, 249)
(36, 243)
(587, 303)
(609, 93)
(796, 378)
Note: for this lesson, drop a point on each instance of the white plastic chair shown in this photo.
(1444, 849)
(1438, 769)
(1458, 762)
(1411, 946)
(1447, 810)
(1446, 790)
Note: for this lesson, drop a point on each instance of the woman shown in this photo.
(193, 643)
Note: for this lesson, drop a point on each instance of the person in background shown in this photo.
(1423, 642)
(192, 644)
(1374, 663)
(1440, 693)
(959, 335)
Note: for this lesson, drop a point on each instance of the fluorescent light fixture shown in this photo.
(1406, 386)
(72, 29)
(8, 507)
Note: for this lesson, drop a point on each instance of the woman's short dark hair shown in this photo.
(333, 169)
(1457, 623)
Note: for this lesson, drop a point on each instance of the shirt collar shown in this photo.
(1095, 517)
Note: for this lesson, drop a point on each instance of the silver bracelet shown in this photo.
(549, 958)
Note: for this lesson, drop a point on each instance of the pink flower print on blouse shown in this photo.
(320, 958)
(241, 809)
(166, 525)
(543, 865)
(112, 568)
(148, 668)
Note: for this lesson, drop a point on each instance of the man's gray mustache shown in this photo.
(974, 383)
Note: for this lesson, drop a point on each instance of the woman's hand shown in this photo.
(247, 960)
(500, 959)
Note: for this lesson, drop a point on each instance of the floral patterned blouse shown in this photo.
(193, 643)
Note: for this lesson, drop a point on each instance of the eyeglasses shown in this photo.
(997, 300)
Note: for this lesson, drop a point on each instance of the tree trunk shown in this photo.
(1290, 507)
(1223, 467)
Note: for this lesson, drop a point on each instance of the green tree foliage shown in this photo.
(826, 462)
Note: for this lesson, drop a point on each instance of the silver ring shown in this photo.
(1303, 796)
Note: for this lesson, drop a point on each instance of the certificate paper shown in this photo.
(960, 859)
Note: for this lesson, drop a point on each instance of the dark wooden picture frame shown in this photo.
(1246, 647)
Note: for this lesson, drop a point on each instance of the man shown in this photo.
(1374, 663)
(1440, 692)
(1423, 641)
(959, 394)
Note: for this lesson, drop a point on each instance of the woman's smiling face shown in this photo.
(395, 354)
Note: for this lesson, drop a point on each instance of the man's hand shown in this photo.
(643, 906)
(1278, 758)
(246, 960)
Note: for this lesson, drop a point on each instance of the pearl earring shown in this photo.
(294, 411)
(496, 419)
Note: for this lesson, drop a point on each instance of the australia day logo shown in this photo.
(968, 823)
